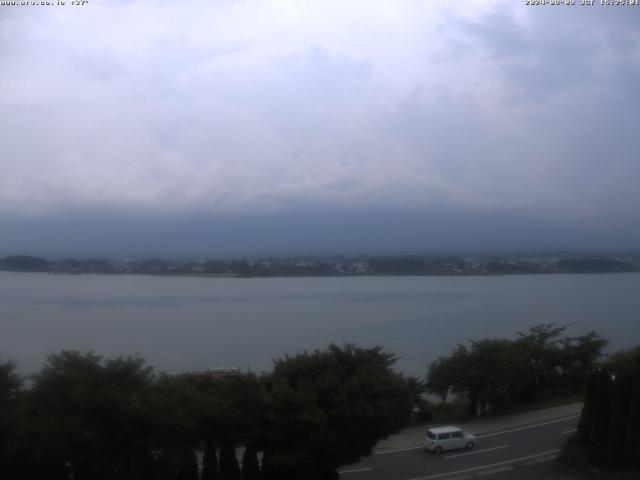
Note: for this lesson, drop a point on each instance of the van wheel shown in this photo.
(470, 445)
(438, 450)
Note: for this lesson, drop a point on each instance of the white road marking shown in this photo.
(542, 460)
(528, 427)
(495, 470)
(539, 460)
(476, 451)
(398, 450)
(482, 467)
(567, 432)
(355, 470)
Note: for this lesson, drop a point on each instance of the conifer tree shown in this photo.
(229, 468)
(250, 465)
(188, 469)
(210, 460)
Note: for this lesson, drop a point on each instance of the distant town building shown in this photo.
(224, 372)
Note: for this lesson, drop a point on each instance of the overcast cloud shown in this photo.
(240, 108)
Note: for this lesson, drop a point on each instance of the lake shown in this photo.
(190, 323)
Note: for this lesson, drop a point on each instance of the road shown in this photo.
(506, 453)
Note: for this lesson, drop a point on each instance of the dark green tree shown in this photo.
(329, 408)
(174, 403)
(542, 347)
(188, 466)
(92, 414)
(10, 385)
(580, 356)
(250, 464)
(229, 468)
(488, 372)
(496, 374)
(231, 407)
(24, 263)
(442, 377)
(209, 459)
(609, 428)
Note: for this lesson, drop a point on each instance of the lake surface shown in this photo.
(187, 323)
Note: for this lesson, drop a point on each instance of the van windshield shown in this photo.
(431, 435)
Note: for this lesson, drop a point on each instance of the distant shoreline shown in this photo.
(359, 266)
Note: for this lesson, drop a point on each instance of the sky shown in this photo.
(241, 127)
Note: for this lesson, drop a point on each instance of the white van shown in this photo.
(440, 439)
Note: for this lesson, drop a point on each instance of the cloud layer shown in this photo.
(267, 106)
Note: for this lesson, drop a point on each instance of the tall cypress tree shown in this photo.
(250, 465)
(229, 468)
(164, 467)
(267, 470)
(617, 420)
(210, 460)
(585, 426)
(602, 405)
(609, 429)
(624, 428)
(188, 469)
(633, 425)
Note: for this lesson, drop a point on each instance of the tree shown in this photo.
(10, 385)
(250, 464)
(495, 374)
(440, 378)
(229, 468)
(24, 263)
(488, 373)
(209, 460)
(328, 408)
(609, 428)
(398, 266)
(92, 414)
(188, 466)
(581, 355)
(541, 345)
(230, 409)
(175, 434)
(421, 408)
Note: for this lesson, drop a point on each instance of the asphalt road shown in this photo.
(508, 453)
